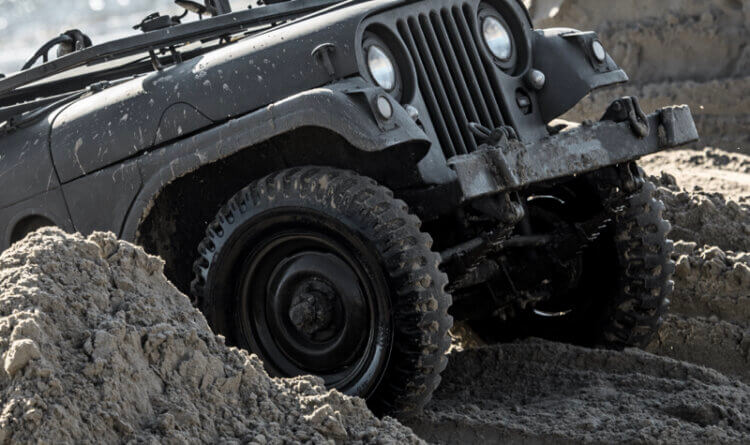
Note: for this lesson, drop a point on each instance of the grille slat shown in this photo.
(457, 104)
(441, 126)
(459, 81)
(444, 106)
(483, 65)
(478, 66)
(456, 85)
(460, 43)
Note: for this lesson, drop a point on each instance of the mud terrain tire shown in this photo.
(646, 270)
(623, 296)
(376, 237)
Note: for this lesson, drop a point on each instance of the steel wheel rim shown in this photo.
(289, 263)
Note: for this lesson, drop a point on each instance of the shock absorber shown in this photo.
(466, 264)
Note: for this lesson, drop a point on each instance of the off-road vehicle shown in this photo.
(334, 182)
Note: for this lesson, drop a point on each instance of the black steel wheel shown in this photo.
(321, 271)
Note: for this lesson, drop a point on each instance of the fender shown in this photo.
(567, 59)
(125, 119)
(346, 108)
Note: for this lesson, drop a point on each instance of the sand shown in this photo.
(98, 347)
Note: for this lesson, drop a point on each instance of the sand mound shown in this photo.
(540, 392)
(711, 283)
(709, 321)
(97, 346)
(710, 171)
(704, 218)
(675, 51)
(709, 342)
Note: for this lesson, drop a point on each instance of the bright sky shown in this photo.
(25, 25)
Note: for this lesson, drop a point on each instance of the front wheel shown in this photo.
(321, 271)
(612, 291)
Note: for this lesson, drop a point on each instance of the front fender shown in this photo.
(346, 108)
(566, 58)
(102, 129)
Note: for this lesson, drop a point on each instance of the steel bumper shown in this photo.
(583, 149)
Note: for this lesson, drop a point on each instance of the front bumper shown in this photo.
(584, 149)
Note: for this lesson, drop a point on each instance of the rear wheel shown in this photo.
(321, 271)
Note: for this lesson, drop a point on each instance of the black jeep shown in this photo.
(333, 182)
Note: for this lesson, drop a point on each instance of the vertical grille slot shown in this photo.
(456, 85)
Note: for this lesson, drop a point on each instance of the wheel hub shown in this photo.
(314, 316)
(312, 310)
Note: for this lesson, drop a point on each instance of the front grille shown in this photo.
(456, 82)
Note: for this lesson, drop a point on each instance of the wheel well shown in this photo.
(27, 225)
(180, 213)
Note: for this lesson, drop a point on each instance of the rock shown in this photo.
(21, 352)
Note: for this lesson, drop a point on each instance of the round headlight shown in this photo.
(381, 67)
(497, 38)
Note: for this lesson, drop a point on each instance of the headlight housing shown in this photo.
(503, 34)
(382, 63)
(382, 67)
(497, 38)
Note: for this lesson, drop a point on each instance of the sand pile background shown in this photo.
(675, 51)
(98, 347)
(709, 320)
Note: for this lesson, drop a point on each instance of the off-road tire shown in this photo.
(418, 300)
(625, 293)
(646, 270)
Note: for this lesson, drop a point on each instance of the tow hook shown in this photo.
(492, 137)
(629, 109)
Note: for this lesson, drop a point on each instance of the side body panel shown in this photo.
(49, 205)
(29, 186)
(100, 201)
(121, 121)
(25, 165)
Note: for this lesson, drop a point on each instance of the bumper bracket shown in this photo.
(584, 149)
